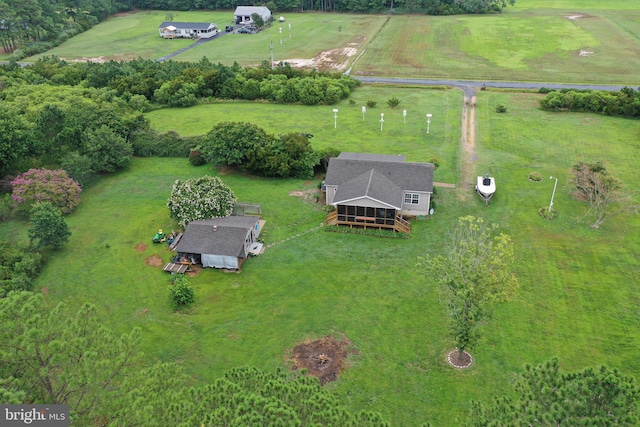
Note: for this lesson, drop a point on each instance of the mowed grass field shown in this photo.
(399, 135)
(310, 35)
(130, 36)
(579, 287)
(564, 44)
(541, 41)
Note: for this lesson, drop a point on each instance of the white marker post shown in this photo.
(553, 193)
(271, 48)
(404, 116)
(381, 121)
(364, 111)
(428, 122)
(335, 118)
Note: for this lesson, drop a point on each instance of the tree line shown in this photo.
(622, 103)
(87, 118)
(430, 7)
(36, 26)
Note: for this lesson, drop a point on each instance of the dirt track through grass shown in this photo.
(468, 142)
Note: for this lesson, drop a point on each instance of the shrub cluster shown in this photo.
(250, 148)
(623, 103)
(149, 143)
(182, 84)
(200, 198)
(367, 232)
(43, 185)
(19, 266)
(181, 292)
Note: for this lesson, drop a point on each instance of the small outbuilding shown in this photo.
(243, 14)
(172, 30)
(221, 242)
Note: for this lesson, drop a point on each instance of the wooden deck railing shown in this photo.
(400, 225)
(332, 218)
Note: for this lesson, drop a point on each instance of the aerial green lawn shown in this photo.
(400, 134)
(578, 298)
(542, 41)
(531, 44)
(301, 36)
(131, 36)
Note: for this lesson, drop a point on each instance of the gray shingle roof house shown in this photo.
(242, 15)
(220, 242)
(377, 189)
(172, 30)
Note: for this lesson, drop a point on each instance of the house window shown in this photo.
(411, 199)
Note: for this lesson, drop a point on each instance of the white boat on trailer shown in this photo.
(486, 187)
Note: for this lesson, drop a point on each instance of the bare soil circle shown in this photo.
(141, 247)
(154, 261)
(459, 361)
(324, 358)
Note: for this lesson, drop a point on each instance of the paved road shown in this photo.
(477, 83)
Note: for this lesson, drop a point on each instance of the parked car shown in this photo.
(244, 30)
(228, 28)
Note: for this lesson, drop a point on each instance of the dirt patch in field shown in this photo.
(154, 261)
(194, 270)
(45, 291)
(307, 196)
(224, 170)
(141, 247)
(324, 358)
(329, 60)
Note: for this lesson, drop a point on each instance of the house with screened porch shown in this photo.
(377, 190)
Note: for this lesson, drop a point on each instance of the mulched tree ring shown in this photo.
(459, 362)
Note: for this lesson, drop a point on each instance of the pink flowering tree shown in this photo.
(44, 185)
(200, 198)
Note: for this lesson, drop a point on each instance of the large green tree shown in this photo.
(49, 227)
(59, 355)
(288, 155)
(246, 396)
(544, 396)
(473, 274)
(229, 143)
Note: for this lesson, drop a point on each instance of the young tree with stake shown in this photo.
(474, 274)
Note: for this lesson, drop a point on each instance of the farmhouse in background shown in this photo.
(172, 30)
(242, 15)
(377, 190)
(221, 242)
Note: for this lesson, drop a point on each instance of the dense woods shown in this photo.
(87, 117)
